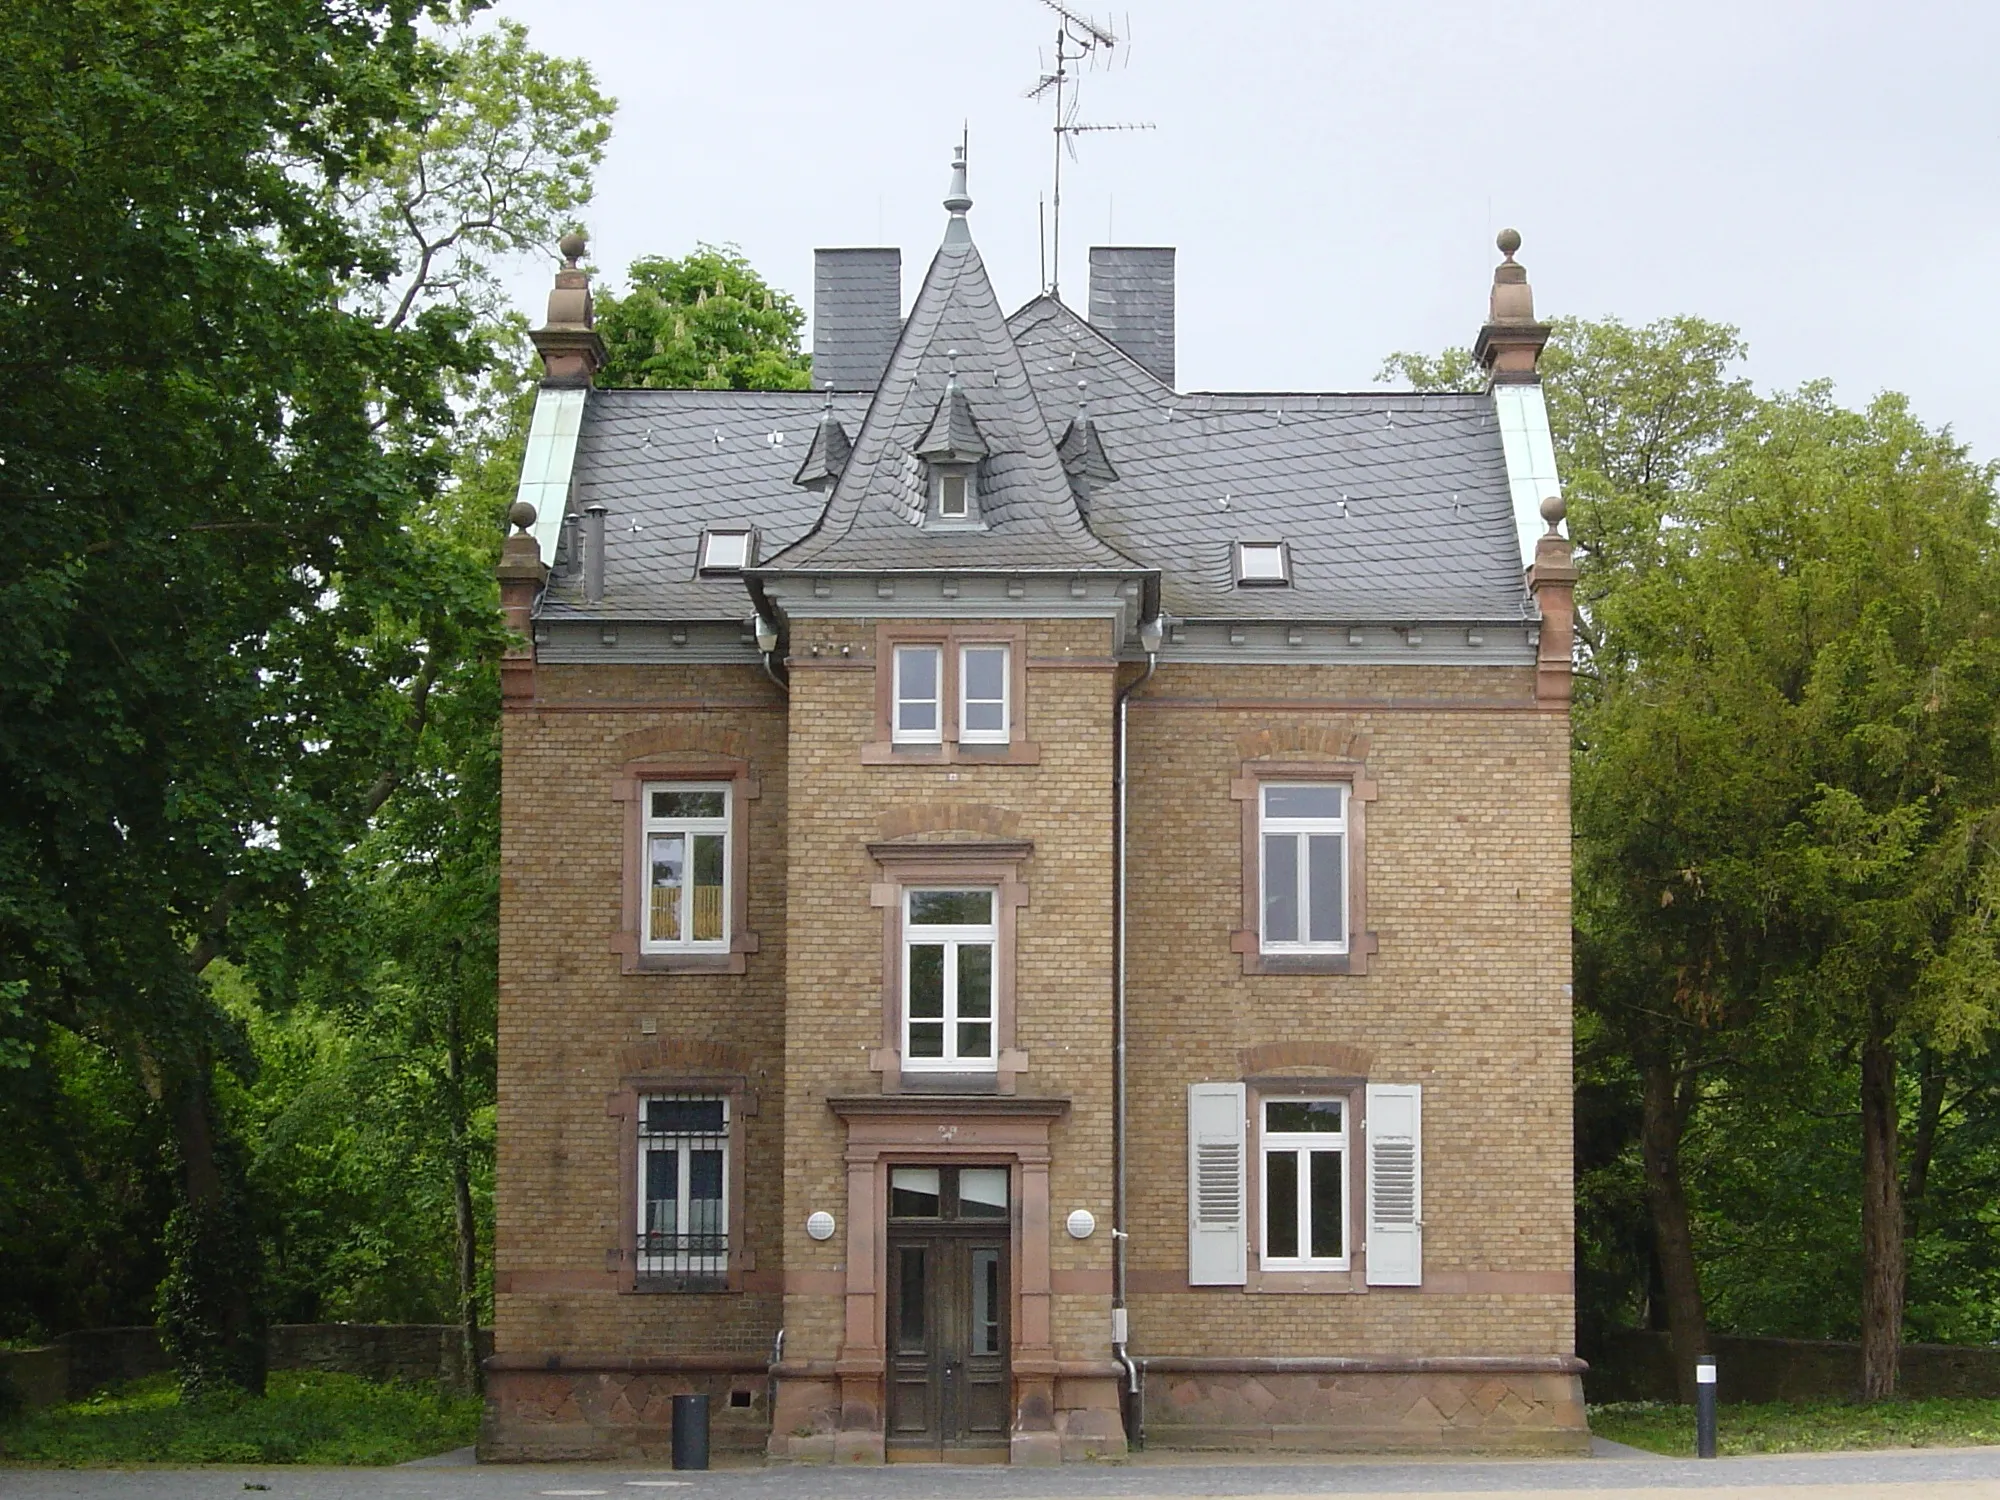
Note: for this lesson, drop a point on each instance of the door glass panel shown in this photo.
(913, 1192)
(982, 1193)
(1328, 917)
(910, 1300)
(1281, 1204)
(707, 888)
(1326, 1176)
(985, 1301)
(1281, 888)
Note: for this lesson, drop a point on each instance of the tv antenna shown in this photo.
(1079, 41)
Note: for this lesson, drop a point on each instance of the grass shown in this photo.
(304, 1417)
(1803, 1426)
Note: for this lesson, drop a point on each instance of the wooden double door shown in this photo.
(950, 1387)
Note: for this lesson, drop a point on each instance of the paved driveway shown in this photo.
(1945, 1474)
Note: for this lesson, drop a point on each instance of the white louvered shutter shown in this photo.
(1216, 1228)
(1395, 1184)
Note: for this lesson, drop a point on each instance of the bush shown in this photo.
(304, 1417)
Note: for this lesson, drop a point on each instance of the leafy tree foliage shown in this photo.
(707, 321)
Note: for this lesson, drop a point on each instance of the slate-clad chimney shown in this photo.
(1132, 302)
(857, 314)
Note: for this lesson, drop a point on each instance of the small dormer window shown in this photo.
(952, 504)
(1263, 565)
(726, 551)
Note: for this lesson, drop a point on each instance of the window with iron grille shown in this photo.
(683, 1189)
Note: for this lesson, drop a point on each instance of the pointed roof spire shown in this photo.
(827, 454)
(957, 201)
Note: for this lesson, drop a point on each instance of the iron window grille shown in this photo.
(684, 1190)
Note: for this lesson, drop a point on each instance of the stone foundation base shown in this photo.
(1327, 1406)
(572, 1408)
(810, 1424)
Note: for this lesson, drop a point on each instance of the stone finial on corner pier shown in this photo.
(1552, 582)
(521, 573)
(571, 348)
(1511, 341)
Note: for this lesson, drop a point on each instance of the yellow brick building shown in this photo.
(1034, 904)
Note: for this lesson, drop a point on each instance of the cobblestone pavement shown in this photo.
(1946, 1474)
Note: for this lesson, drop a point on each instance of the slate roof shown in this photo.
(1395, 507)
(1427, 531)
(675, 463)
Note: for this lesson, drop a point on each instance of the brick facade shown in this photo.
(1468, 889)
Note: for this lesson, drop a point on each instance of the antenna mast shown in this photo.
(1078, 40)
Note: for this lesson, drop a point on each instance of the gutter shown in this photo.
(1151, 634)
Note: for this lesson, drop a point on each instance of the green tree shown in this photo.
(707, 321)
(220, 454)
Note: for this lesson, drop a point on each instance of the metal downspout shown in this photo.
(1120, 1327)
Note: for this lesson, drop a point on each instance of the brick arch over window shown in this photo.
(1335, 1059)
(669, 739)
(1334, 741)
(950, 817)
(694, 761)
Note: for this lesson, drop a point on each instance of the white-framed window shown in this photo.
(919, 696)
(949, 941)
(1304, 1185)
(1302, 867)
(1266, 564)
(687, 867)
(683, 1186)
(954, 496)
(983, 717)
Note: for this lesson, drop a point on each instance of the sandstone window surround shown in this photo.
(635, 784)
(645, 1264)
(991, 866)
(1293, 828)
(951, 694)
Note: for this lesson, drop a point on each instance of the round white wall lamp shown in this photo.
(820, 1225)
(1082, 1224)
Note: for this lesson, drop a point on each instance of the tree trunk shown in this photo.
(1663, 1116)
(1923, 1144)
(210, 1319)
(461, 1194)
(1882, 1267)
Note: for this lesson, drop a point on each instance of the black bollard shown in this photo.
(691, 1431)
(1704, 1406)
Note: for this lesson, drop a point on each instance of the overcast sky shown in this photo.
(1825, 174)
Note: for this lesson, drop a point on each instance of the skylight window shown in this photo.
(726, 551)
(1263, 565)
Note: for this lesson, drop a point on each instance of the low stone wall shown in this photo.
(1638, 1366)
(571, 1408)
(92, 1358)
(1360, 1405)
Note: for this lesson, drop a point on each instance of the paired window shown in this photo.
(1302, 846)
(1304, 1187)
(683, 1188)
(985, 709)
(949, 938)
(687, 868)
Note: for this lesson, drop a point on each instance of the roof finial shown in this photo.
(957, 201)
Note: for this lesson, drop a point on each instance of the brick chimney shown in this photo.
(1511, 341)
(1552, 580)
(572, 351)
(522, 574)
